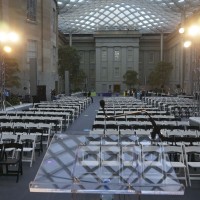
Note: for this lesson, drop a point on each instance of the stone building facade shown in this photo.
(107, 55)
(36, 23)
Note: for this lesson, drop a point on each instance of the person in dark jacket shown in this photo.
(89, 95)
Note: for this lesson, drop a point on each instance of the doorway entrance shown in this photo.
(116, 88)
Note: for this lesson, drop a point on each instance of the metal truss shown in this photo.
(145, 16)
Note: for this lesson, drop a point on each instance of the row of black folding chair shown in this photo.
(11, 159)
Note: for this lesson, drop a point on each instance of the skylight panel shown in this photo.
(101, 17)
(96, 21)
(87, 17)
(96, 15)
(111, 15)
(101, 23)
(111, 9)
(135, 20)
(121, 15)
(122, 9)
(101, 10)
(126, 19)
(125, 12)
(92, 18)
(141, 18)
(106, 19)
(137, 14)
(132, 10)
(106, 12)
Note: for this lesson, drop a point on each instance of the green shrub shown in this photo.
(13, 99)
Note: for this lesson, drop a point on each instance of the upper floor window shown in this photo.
(130, 54)
(32, 49)
(31, 10)
(151, 57)
(104, 55)
(116, 55)
(81, 54)
(92, 57)
(116, 71)
(104, 73)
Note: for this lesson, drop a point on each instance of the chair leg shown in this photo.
(17, 176)
(21, 169)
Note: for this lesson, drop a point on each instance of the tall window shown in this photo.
(104, 55)
(116, 71)
(92, 57)
(81, 54)
(31, 10)
(151, 57)
(130, 54)
(116, 55)
(31, 49)
(104, 73)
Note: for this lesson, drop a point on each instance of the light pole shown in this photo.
(6, 40)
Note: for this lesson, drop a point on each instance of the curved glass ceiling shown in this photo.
(146, 16)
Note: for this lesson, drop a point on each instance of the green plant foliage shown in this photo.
(69, 60)
(130, 78)
(13, 99)
(78, 79)
(11, 73)
(160, 74)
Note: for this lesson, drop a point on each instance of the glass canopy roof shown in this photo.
(146, 16)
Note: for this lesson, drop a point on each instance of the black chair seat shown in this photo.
(11, 159)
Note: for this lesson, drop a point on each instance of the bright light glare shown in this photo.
(13, 37)
(7, 49)
(8, 37)
(3, 37)
(194, 30)
(187, 44)
(181, 30)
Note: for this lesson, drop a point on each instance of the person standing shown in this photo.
(89, 95)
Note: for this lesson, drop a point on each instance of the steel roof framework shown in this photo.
(146, 16)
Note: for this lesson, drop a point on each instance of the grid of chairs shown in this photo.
(149, 159)
(29, 142)
(177, 106)
(183, 156)
(23, 133)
